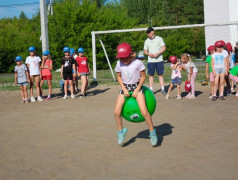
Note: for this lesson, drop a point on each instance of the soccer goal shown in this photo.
(213, 32)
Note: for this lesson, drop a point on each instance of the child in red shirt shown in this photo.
(83, 71)
(46, 67)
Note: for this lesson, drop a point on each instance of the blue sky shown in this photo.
(11, 8)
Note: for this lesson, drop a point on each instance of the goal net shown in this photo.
(193, 39)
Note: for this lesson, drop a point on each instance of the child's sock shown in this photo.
(119, 132)
(48, 95)
(162, 88)
(152, 133)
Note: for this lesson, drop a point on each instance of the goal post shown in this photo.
(229, 34)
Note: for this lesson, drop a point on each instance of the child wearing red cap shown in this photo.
(211, 50)
(219, 69)
(192, 70)
(131, 76)
(176, 76)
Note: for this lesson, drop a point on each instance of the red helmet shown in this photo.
(173, 59)
(223, 43)
(187, 86)
(211, 48)
(218, 44)
(229, 47)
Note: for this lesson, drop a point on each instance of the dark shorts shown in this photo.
(158, 66)
(130, 88)
(68, 75)
(176, 81)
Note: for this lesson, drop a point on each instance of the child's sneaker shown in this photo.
(214, 98)
(22, 101)
(188, 95)
(48, 98)
(65, 97)
(121, 136)
(33, 99)
(151, 88)
(236, 95)
(179, 97)
(39, 99)
(26, 101)
(167, 96)
(81, 95)
(163, 92)
(221, 98)
(153, 138)
(232, 90)
(191, 97)
(210, 97)
(72, 96)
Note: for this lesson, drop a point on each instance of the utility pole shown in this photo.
(44, 26)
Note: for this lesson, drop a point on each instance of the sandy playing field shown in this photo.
(76, 139)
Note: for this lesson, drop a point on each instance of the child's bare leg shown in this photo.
(221, 87)
(41, 89)
(71, 86)
(179, 91)
(22, 92)
(170, 88)
(143, 109)
(37, 84)
(31, 85)
(65, 87)
(83, 80)
(25, 92)
(117, 111)
(216, 84)
(50, 87)
(212, 87)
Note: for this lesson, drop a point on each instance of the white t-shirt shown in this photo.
(190, 64)
(130, 74)
(225, 53)
(33, 62)
(219, 59)
(154, 46)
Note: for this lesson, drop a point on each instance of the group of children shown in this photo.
(38, 70)
(222, 63)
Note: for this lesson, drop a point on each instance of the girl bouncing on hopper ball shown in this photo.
(131, 76)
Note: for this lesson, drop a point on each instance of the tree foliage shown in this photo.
(74, 20)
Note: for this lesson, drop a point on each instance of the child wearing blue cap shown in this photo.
(33, 65)
(22, 78)
(46, 67)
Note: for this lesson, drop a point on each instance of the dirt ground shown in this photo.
(75, 139)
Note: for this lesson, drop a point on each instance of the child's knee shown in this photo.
(117, 113)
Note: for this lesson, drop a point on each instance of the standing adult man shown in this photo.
(154, 47)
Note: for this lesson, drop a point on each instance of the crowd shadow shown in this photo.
(197, 93)
(161, 131)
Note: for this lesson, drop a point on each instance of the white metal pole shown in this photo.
(44, 26)
(94, 57)
(105, 52)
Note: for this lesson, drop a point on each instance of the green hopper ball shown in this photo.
(131, 111)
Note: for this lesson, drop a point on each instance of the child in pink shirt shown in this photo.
(176, 76)
(46, 67)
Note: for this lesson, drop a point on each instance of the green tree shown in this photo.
(22, 15)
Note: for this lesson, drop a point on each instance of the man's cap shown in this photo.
(123, 50)
(149, 30)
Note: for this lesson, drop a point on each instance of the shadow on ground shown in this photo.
(161, 131)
